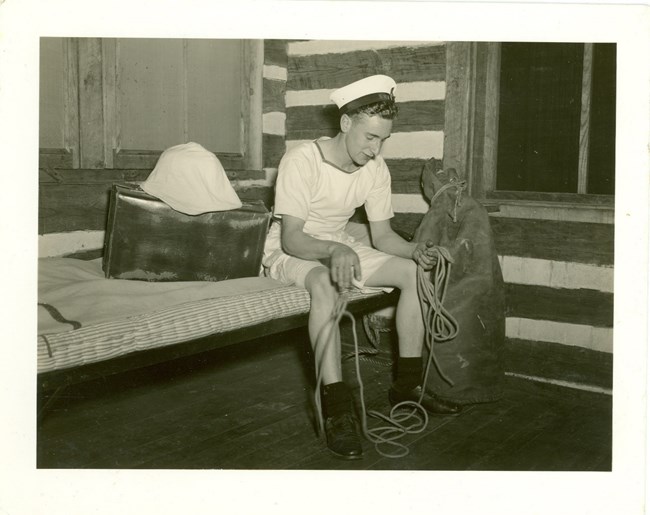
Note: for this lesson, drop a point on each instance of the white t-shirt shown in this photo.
(324, 196)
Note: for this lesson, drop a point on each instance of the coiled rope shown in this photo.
(406, 417)
(439, 325)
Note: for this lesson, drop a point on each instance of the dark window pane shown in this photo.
(539, 116)
(602, 133)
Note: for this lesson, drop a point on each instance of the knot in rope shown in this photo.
(460, 187)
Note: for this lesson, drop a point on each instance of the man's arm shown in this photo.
(341, 259)
(388, 241)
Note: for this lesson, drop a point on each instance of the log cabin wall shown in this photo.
(557, 260)
(81, 155)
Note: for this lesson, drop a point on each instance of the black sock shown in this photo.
(336, 399)
(409, 373)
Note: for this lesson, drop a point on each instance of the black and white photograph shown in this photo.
(349, 264)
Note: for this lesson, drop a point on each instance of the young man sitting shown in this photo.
(319, 186)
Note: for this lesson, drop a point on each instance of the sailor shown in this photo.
(319, 185)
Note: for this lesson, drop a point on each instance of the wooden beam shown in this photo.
(329, 71)
(275, 52)
(147, 159)
(491, 130)
(406, 223)
(253, 61)
(406, 173)
(457, 106)
(311, 122)
(253, 193)
(91, 102)
(83, 207)
(474, 172)
(273, 96)
(71, 101)
(55, 158)
(109, 92)
(573, 306)
(185, 101)
(72, 200)
(566, 199)
(81, 177)
(559, 362)
(274, 148)
(585, 116)
(72, 207)
(575, 242)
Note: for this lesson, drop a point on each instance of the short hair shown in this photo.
(386, 109)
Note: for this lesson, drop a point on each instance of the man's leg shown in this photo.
(323, 296)
(402, 273)
(340, 426)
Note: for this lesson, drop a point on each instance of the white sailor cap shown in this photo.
(363, 92)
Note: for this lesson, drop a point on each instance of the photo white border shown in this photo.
(24, 489)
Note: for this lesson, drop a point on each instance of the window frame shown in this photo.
(471, 133)
(99, 146)
(66, 156)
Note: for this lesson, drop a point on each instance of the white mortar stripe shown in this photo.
(568, 384)
(274, 123)
(247, 183)
(585, 336)
(308, 97)
(421, 144)
(58, 244)
(409, 203)
(274, 72)
(406, 92)
(337, 47)
(420, 90)
(538, 211)
(404, 145)
(557, 274)
(271, 174)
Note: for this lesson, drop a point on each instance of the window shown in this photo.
(533, 122)
(118, 103)
(556, 118)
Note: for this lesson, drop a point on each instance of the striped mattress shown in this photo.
(81, 335)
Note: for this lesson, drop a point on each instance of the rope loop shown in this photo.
(440, 326)
(460, 187)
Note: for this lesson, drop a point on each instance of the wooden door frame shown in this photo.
(471, 113)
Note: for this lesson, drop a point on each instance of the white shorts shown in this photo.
(293, 270)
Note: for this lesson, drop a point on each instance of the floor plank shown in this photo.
(252, 407)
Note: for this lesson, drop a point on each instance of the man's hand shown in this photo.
(424, 255)
(344, 265)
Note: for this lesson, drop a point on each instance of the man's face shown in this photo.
(364, 136)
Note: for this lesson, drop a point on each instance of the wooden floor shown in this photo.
(251, 407)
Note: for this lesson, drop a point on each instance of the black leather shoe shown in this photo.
(343, 438)
(429, 402)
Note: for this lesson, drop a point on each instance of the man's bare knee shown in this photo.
(320, 287)
(410, 275)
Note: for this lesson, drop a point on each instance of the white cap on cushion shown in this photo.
(363, 92)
